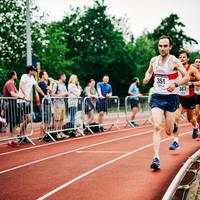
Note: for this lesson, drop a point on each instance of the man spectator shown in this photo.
(104, 91)
(10, 106)
(26, 84)
(134, 99)
(46, 103)
(59, 92)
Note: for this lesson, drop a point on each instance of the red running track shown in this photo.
(112, 165)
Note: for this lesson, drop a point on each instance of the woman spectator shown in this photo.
(90, 101)
(74, 92)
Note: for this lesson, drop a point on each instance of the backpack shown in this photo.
(71, 133)
(95, 128)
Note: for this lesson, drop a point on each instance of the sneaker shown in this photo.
(133, 124)
(175, 128)
(155, 165)
(174, 146)
(13, 144)
(62, 135)
(195, 133)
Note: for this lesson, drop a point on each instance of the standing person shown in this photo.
(187, 99)
(9, 90)
(46, 103)
(91, 94)
(74, 90)
(164, 101)
(135, 94)
(26, 84)
(104, 91)
(59, 92)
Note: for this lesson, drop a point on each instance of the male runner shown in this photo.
(164, 101)
(187, 99)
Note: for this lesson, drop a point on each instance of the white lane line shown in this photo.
(99, 167)
(80, 138)
(103, 152)
(71, 151)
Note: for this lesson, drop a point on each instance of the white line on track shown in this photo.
(96, 135)
(71, 151)
(99, 167)
(80, 138)
(103, 152)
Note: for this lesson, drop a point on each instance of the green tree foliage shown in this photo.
(97, 47)
(173, 27)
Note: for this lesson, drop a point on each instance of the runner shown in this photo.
(187, 99)
(164, 101)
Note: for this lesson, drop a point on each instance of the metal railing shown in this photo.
(101, 114)
(143, 110)
(15, 119)
(62, 117)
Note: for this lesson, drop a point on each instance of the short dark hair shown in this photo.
(41, 73)
(184, 51)
(30, 68)
(166, 37)
(135, 79)
(11, 74)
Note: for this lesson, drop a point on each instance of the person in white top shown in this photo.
(74, 92)
(164, 101)
(26, 84)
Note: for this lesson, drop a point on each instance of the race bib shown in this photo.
(197, 90)
(184, 90)
(161, 82)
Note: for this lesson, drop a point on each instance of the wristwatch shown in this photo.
(176, 85)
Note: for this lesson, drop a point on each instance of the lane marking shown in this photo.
(71, 151)
(88, 136)
(80, 138)
(99, 167)
(103, 152)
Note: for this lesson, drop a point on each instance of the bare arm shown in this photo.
(196, 74)
(149, 72)
(39, 90)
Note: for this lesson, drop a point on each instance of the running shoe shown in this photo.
(175, 128)
(133, 124)
(174, 146)
(195, 133)
(155, 165)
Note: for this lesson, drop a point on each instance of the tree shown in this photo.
(173, 27)
(97, 47)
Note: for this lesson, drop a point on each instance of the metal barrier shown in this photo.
(178, 178)
(62, 117)
(143, 108)
(101, 113)
(15, 119)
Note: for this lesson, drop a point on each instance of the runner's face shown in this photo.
(183, 58)
(164, 47)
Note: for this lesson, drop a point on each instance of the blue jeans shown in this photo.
(72, 114)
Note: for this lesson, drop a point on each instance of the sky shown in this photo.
(141, 14)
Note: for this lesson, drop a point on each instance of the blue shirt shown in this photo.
(134, 89)
(105, 88)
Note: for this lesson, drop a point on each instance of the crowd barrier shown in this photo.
(144, 110)
(62, 117)
(15, 119)
(101, 114)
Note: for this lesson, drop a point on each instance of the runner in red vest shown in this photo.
(187, 99)
(164, 101)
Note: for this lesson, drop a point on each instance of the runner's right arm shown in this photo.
(149, 72)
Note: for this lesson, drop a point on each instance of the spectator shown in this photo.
(59, 92)
(74, 90)
(134, 99)
(104, 90)
(90, 102)
(10, 106)
(46, 103)
(26, 84)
